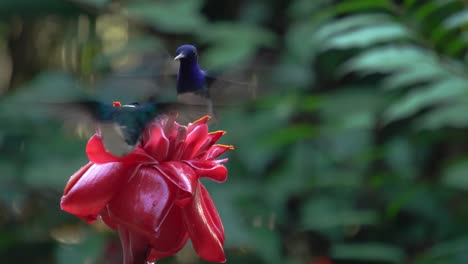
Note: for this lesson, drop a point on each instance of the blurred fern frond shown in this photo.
(419, 48)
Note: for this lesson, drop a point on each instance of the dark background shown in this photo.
(356, 152)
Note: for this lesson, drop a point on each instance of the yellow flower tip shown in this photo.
(231, 147)
(202, 120)
(116, 104)
(205, 118)
(222, 132)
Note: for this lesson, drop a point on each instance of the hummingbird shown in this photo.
(121, 126)
(196, 87)
(155, 77)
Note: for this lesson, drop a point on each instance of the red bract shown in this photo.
(153, 196)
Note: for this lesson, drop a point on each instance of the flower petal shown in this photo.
(107, 219)
(204, 226)
(216, 151)
(158, 144)
(182, 176)
(95, 188)
(208, 168)
(213, 212)
(202, 121)
(195, 139)
(144, 202)
(171, 127)
(178, 144)
(76, 177)
(99, 155)
(134, 245)
(172, 237)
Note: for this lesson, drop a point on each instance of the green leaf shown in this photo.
(366, 36)
(449, 115)
(87, 250)
(173, 16)
(291, 177)
(416, 100)
(342, 25)
(368, 252)
(97, 3)
(225, 197)
(350, 108)
(326, 213)
(440, 35)
(426, 10)
(455, 47)
(290, 134)
(439, 252)
(361, 5)
(49, 87)
(224, 32)
(37, 8)
(301, 42)
(409, 3)
(387, 59)
(232, 43)
(458, 19)
(266, 244)
(414, 75)
(252, 136)
(303, 8)
(350, 100)
(134, 46)
(400, 155)
(454, 175)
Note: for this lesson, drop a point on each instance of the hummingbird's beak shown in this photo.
(180, 56)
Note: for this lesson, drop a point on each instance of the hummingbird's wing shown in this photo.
(124, 132)
(118, 126)
(154, 75)
(65, 101)
(228, 92)
(149, 75)
(186, 113)
(81, 116)
(218, 94)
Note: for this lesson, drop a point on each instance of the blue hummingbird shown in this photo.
(192, 81)
(195, 86)
(121, 126)
(154, 77)
(197, 95)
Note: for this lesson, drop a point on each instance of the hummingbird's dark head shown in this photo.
(186, 53)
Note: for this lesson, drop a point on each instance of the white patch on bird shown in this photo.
(195, 99)
(191, 98)
(114, 140)
(131, 106)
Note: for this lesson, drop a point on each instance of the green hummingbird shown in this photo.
(121, 126)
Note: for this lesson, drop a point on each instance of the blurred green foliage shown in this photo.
(356, 151)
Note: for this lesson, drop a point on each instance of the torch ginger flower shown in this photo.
(153, 196)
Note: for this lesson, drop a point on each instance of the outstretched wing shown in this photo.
(228, 92)
(150, 75)
(122, 135)
(185, 113)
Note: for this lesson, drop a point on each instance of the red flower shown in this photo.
(153, 196)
